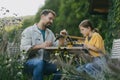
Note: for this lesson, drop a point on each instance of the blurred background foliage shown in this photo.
(69, 14)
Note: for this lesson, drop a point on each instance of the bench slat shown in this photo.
(116, 49)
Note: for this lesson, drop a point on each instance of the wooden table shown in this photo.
(69, 49)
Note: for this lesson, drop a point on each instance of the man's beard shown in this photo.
(48, 25)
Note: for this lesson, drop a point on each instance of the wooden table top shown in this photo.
(70, 49)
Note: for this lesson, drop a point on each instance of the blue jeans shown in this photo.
(94, 68)
(38, 68)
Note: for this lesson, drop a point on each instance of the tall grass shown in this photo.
(67, 63)
(10, 64)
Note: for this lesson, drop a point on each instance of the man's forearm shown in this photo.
(36, 47)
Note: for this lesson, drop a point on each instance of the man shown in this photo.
(33, 41)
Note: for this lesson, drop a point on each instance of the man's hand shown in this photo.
(63, 32)
(42, 46)
(62, 40)
(46, 44)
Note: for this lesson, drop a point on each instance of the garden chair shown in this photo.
(115, 52)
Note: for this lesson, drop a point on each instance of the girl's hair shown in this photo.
(87, 23)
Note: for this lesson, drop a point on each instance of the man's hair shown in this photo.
(47, 11)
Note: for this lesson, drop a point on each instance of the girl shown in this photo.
(95, 45)
(93, 41)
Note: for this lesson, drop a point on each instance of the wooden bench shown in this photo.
(115, 49)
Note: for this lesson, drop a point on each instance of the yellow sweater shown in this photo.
(96, 41)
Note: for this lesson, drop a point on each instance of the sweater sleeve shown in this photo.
(26, 40)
